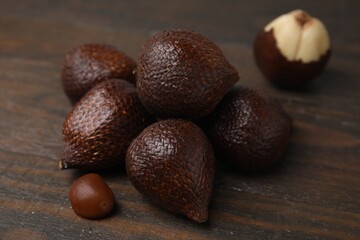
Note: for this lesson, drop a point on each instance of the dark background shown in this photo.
(313, 194)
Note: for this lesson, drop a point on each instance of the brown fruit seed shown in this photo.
(172, 163)
(293, 49)
(89, 64)
(91, 197)
(182, 74)
(249, 129)
(101, 126)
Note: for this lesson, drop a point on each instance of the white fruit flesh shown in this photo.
(299, 36)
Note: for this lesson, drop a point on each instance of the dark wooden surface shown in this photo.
(313, 194)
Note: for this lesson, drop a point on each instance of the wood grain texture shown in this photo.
(313, 193)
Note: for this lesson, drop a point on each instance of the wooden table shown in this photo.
(313, 194)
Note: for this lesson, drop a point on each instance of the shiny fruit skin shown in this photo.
(182, 74)
(249, 130)
(172, 163)
(101, 126)
(88, 64)
(91, 197)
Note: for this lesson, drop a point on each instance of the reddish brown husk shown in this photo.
(249, 130)
(101, 126)
(182, 74)
(89, 64)
(172, 163)
(280, 71)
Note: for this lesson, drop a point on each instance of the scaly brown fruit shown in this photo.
(101, 126)
(172, 163)
(89, 64)
(248, 129)
(182, 74)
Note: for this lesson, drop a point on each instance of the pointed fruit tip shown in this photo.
(62, 165)
(199, 216)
